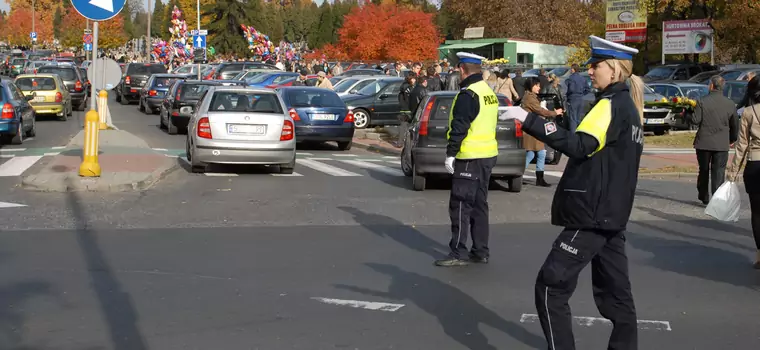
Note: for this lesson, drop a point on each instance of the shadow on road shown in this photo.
(655, 195)
(385, 226)
(651, 226)
(115, 303)
(458, 313)
(701, 223)
(12, 299)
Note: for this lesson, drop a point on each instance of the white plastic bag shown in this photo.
(725, 203)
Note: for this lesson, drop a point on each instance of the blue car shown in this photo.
(17, 118)
(152, 94)
(268, 80)
(319, 115)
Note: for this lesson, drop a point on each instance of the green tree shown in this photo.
(226, 18)
(57, 19)
(325, 26)
(273, 23)
(156, 20)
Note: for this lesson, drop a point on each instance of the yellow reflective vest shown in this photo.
(480, 141)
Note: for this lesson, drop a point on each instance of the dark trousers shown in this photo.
(712, 168)
(556, 282)
(574, 114)
(403, 127)
(468, 206)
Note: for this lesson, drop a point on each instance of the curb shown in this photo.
(86, 185)
(669, 175)
(379, 149)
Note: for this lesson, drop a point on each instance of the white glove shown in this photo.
(450, 164)
(507, 113)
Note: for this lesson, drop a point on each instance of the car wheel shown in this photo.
(418, 181)
(288, 168)
(195, 166)
(123, 100)
(345, 146)
(515, 184)
(406, 161)
(71, 110)
(19, 137)
(361, 118)
(33, 131)
(161, 123)
(118, 97)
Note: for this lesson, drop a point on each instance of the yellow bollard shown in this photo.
(103, 109)
(90, 166)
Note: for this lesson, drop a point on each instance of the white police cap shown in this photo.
(604, 50)
(466, 57)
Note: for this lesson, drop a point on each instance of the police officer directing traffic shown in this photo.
(470, 156)
(593, 200)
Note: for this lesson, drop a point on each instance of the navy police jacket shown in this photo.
(599, 182)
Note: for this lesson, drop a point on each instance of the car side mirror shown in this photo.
(384, 96)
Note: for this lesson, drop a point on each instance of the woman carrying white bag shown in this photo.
(748, 147)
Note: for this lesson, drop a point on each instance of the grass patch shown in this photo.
(680, 140)
(669, 169)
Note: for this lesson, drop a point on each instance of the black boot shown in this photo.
(540, 180)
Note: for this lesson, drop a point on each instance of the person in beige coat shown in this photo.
(323, 82)
(748, 148)
(532, 146)
(506, 87)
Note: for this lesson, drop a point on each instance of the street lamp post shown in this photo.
(33, 15)
(147, 35)
(198, 9)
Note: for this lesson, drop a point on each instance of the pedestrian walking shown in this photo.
(594, 200)
(576, 89)
(748, 148)
(470, 156)
(533, 147)
(718, 127)
(405, 102)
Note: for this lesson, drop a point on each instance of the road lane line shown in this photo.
(390, 157)
(52, 153)
(10, 205)
(12, 149)
(7, 155)
(593, 321)
(327, 169)
(373, 166)
(369, 160)
(286, 175)
(395, 161)
(345, 155)
(161, 149)
(220, 174)
(358, 304)
(58, 147)
(304, 154)
(18, 165)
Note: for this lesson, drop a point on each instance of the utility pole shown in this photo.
(147, 35)
(199, 33)
(87, 55)
(33, 15)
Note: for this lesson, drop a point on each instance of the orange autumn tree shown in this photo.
(19, 25)
(110, 32)
(386, 32)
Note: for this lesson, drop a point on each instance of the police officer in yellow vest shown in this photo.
(470, 157)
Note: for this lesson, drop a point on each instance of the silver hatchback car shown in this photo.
(239, 125)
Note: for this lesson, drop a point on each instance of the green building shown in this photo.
(518, 51)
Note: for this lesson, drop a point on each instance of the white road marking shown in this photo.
(318, 158)
(358, 304)
(547, 172)
(345, 155)
(390, 157)
(304, 154)
(220, 174)
(373, 166)
(58, 147)
(18, 165)
(592, 321)
(327, 169)
(161, 149)
(10, 205)
(171, 155)
(529, 177)
(286, 175)
(12, 149)
(7, 155)
(369, 160)
(52, 153)
(395, 161)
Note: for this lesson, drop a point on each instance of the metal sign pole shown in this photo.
(93, 94)
(199, 32)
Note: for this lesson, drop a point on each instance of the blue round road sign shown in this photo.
(98, 10)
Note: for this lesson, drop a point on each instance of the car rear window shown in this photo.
(442, 107)
(313, 98)
(67, 74)
(146, 69)
(17, 61)
(193, 91)
(36, 84)
(243, 101)
(163, 82)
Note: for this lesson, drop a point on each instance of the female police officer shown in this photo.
(593, 200)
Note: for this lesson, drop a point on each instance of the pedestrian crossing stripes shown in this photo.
(17, 165)
(325, 168)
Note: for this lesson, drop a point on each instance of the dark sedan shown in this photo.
(17, 119)
(319, 115)
(376, 103)
(152, 94)
(179, 103)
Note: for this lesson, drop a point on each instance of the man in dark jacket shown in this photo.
(301, 80)
(576, 89)
(718, 123)
(455, 77)
(418, 93)
(433, 80)
(543, 78)
(404, 100)
(519, 83)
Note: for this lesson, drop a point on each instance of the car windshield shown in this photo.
(146, 69)
(67, 74)
(163, 82)
(373, 88)
(192, 91)
(36, 84)
(735, 92)
(17, 61)
(259, 78)
(313, 98)
(344, 84)
(660, 72)
(731, 75)
(560, 71)
(695, 92)
(244, 101)
(649, 90)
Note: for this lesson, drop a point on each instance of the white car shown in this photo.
(240, 125)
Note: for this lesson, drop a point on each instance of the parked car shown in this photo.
(231, 82)
(739, 73)
(682, 71)
(355, 72)
(424, 150)
(682, 89)
(229, 70)
(134, 78)
(180, 102)
(152, 94)
(76, 84)
(704, 77)
(265, 79)
(319, 115)
(237, 125)
(193, 69)
(735, 91)
(376, 104)
(17, 66)
(49, 94)
(250, 73)
(17, 119)
(351, 85)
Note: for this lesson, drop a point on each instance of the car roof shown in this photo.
(169, 75)
(242, 89)
(304, 88)
(40, 75)
(202, 82)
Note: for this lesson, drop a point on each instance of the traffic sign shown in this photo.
(199, 41)
(199, 55)
(203, 32)
(33, 35)
(88, 47)
(98, 10)
(108, 74)
(87, 38)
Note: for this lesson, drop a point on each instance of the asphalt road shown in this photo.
(248, 260)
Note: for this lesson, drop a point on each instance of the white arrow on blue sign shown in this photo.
(33, 35)
(98, 10)
(199, 41)
(88, 47)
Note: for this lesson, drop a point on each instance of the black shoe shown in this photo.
(704, 199)
(451, 262)
(540, 180)
(478, 260)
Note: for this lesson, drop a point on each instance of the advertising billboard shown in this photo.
(687, 37)
(626, 21)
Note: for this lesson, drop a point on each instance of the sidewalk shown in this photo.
(127, 164)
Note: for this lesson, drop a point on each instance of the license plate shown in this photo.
(38, 99)
(323, 117)
(246, 129)
(655, 121)
(133, 90)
